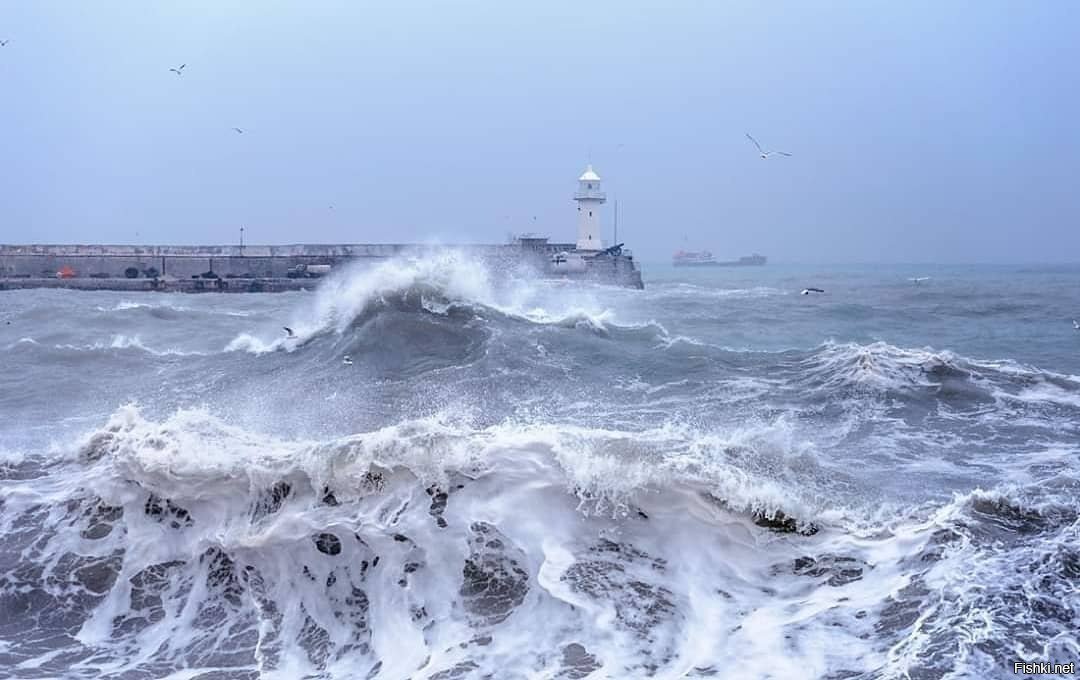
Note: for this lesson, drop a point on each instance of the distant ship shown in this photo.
(705, 259)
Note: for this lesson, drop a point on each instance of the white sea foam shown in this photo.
(697, 292)
(624, 545)
(21, 342)
(121, 341)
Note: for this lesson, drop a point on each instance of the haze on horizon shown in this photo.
(921, 131)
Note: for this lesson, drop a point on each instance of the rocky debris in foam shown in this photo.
(328, 544)
(998, 518)
(910, 615)
(342, 585)
(43, 606)
(775, 520)
(351, 607)
(939, 543)
(21, 471)
(374, 480)
(782, 523)
(339, 584)
(221, 575)
(98, 445)
(328, 497)
(315, 641)
(630, 580)
(577, 662)
(223, 623)
(493, 581)
(438, 505)
(840, 570)
(270, 500)
(226, 623)
(100, 519)
(630, 553)
(97, 576)
(409, 567)
(902, 609)
(148, 590)
(463, 669)
(164, 510)
(270, 618)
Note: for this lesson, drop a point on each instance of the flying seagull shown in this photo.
(238, 131)
(178, 71)
(919, 279)
(347, 360)
(1075, 325)
(763, 152)
(3, 43)
(807, 291)
(289, 331)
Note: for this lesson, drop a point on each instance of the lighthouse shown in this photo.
(589, 199)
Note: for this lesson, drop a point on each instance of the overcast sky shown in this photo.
(921, 131)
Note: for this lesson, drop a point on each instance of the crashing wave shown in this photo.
(441, 284)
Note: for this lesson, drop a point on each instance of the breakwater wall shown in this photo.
(114, 261)
(257, 267)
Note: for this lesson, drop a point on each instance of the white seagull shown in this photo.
(1076, 325)
(763, 152)
(178, 71)
(919, 279)
(807, 291)
(347, 360)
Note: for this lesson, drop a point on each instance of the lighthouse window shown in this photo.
(589, 186)
(590, 213)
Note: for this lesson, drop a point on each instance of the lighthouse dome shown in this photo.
(589, 175)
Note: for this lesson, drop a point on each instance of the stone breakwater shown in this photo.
(260, 268)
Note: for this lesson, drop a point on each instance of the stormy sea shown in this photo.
(444, 473)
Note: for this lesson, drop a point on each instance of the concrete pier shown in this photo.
(264, 268)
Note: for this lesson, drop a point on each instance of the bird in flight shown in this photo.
(238, 131)
(763, 152)
(919, 279)
(3, 43)
(289, 331)
(1076, 325)
(807, 291)
(178, 71)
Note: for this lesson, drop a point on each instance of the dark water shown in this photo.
(714, 477)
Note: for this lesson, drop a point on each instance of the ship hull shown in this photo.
(735, 263)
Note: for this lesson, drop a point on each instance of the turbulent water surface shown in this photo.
(716, 476)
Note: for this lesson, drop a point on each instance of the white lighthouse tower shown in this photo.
(589, 199)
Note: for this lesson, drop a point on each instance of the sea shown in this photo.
(444, 472)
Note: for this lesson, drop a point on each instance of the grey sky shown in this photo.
(922, 131)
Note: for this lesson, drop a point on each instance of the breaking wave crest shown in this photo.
(446, 284)
(880, 367)
(411, 550)
(427, 549)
